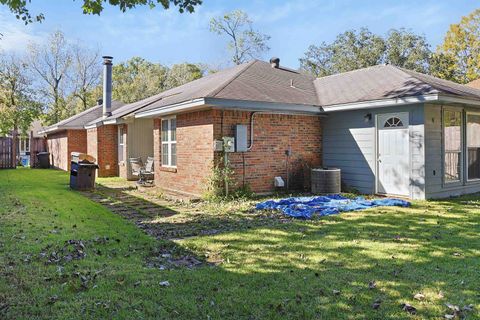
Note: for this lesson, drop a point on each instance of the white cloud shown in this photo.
(15, 35)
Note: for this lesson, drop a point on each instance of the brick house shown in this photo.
(108, 132)
(278, 105)
(390, 130)
(121, 137)
(70, 135)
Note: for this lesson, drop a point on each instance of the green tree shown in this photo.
(86, 74)
(20, 10)
(359, 49)
(245, 43)
(408, 50)
(51, 62)
(137, 79)
(443, 66)
(18, 109)
(351, 50)
(458, 57)
(182, 73)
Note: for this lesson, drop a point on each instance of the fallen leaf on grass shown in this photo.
(164, 284)
(336, 292)
(52, 299)
(409, 308)
(468, 308)
(419, 297)
(372, 285)
(376, 304)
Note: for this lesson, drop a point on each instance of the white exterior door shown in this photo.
(393, 176)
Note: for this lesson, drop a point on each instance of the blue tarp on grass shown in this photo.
(306, 207)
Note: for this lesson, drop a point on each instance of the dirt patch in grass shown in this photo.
(169, 219)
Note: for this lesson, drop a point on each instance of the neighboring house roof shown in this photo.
(79, 120)
(474, 84)
(384, 82)
(253, 81)
(123, 111)
(35, 127)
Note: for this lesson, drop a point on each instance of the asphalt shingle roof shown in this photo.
(384, 82)
(252, 81)
(81, 119)
(258, 81)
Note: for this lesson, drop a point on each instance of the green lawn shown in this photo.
(283, 269)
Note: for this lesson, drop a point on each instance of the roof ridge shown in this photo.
(222, 86)
(348, 72)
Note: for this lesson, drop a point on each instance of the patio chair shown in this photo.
(136, 167)
(148, 173)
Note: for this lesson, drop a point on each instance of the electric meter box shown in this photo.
(228, 144)
(218, 145)
(241, 138)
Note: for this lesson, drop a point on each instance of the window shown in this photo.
(393, 122)
(23, 145)
(169, 142)
(473, 146)
(452, 142)
(121, 143)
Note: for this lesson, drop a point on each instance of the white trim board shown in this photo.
(230, 104)
(57, 129)
(400, 101)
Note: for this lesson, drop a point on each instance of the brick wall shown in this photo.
(92, 142)
(57, 145)
(77, 142)
(194, 153)
(273, 135)
(102, 144)
(62, 144)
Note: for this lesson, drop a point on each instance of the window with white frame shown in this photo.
(169, 142)
(452, 145)
(23, 145)
(121, 143)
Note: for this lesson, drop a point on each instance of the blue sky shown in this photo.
(169, 37)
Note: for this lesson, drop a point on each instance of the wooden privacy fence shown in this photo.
(7, 153)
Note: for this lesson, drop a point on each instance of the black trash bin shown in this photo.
(43, 160)
(82, 171)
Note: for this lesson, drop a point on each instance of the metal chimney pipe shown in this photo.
(275, 62)
(107, 86)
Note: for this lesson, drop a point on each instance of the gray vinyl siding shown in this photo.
(349, 143)
(435, 188)
(139, 141)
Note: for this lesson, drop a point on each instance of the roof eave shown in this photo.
(110, 121)
(246, 105)
(92, 125)
(460, 100)
(381, 103)
(262, 106)
(173, 108)
(57, 129)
